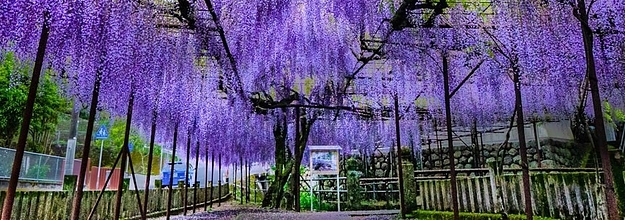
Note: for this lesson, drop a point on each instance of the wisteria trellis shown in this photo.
(311, 47)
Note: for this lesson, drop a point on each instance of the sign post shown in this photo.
(324, 160)
(102, 134)
(130, 147)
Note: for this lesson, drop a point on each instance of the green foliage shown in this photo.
(13, 93)
(116, 135)
(302, 170)
(305, 199)
(49, 104)
(406, 154)
(355, 193)
(422, 214)
(619, 183)
(612, 115)
(114, 144)
(38, 171)
(309, 84)
(353, 164)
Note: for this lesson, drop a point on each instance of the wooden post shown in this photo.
(602, 145)
(171, 172)
(520, 124)
(212, 175)
(296, 174)
(483, 159)
(186, 175)
(241, 170)
(125, 154)
(87, 146)
(493, 174)
(97, 201)
(7, 207)
(247, 192)
(150, 158)
(402, 202)
(450, 142)
(219, 182)
(234, 181)
(195, 182)
(206, 198)
(134, 179)
(476, 144)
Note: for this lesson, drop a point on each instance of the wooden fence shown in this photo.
(564, 194)
(38, 205)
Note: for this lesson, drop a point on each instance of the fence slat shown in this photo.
(556, 194)
(486, 195)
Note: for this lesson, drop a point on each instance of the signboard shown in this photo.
(102, 133)
(130, 146)
(324, 161)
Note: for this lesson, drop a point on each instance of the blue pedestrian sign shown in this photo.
(102, 133)
(130, 146)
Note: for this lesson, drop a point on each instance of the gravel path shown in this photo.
(229, 211)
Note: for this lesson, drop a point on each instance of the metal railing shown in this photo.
(35, 167)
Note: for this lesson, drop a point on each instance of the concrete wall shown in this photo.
(546, 130)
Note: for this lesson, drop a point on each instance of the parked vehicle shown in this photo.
(179, 174)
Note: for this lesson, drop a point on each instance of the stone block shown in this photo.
(533, 164)
(507, 160)
(548, 163)
(457, 154)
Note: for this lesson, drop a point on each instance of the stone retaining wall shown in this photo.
(552, 154)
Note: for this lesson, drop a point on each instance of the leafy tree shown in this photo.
(12, 95)
(114, 143)
(49, 104)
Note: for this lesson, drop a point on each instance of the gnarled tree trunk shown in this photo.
(274, 193)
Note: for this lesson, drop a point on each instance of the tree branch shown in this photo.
(466, 78)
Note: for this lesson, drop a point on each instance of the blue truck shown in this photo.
(179, 174)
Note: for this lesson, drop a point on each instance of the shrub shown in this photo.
(38, 171)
